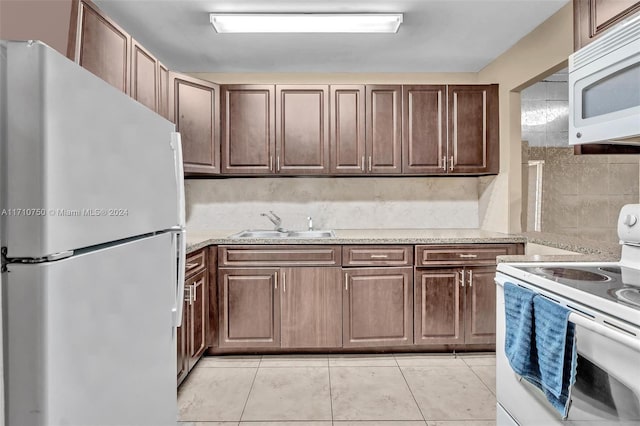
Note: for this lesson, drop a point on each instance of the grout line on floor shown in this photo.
(330, 394)
(244, 407)
(411, 392)
(482, 381)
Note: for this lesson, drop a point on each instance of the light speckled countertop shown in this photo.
(589, 250)
(196, 239)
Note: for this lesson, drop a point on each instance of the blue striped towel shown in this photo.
(540, 344)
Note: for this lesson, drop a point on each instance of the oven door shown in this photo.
(604, 91)
(607, 388)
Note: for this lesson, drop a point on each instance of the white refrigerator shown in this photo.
(92, 237)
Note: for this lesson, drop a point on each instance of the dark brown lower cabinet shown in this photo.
(298, 307)
(311, 300)
(191, 336)
(377, 307)
(183, 367)
(480, 310)
(439, 307)
(455, 306)
(249, 307)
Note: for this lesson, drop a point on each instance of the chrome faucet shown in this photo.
(309, 223)
(275, 219)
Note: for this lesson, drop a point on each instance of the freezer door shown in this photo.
(90, 339)
(85, 163)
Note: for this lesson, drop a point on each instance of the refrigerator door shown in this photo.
(90, 338)
(85, 163)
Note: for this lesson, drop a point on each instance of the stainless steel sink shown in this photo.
(311, 234)
(277, 234)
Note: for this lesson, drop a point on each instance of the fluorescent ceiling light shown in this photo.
(306, 22)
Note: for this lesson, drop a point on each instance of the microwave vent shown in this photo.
(624, 33)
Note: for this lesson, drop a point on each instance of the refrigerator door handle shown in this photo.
(176, 145)
(181, 251)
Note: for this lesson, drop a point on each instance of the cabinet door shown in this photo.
(198, 309)
(439, 304)
(591, 18)
(181, 344)
(347, 142)
(424, 137)
(249, 303)
(480, 310)
(144, 76)
(302, 129)
(384, 129)
(248, 129)
(195, 108)
(377, 307)
(102, 47)
(163, 92)
(473, 129)
(311, 307)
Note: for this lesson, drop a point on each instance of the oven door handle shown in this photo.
(581, 320)
(616, 336)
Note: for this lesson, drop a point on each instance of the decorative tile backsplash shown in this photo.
(336, 203)
(579, 195)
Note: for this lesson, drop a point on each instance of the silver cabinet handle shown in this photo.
(470, 278)
(346, 281)
(276, 280)
(284, 283)
(278, 163)
(195, 293)
(451, 163)
(462, 278)
(187, 294)
(379, 256)
(362, 165)
(468, 256)
(271, 162)
(444, 163)
(370, 163)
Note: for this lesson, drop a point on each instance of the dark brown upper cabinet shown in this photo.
(591, 18)
(302, 129)
(347, 141)
(248, 129)
(163, 91)
(100, 45)
(424, 132)
(473, 127)
(195, 107)
(384, 129)
(144, 76)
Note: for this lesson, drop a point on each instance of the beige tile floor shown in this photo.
(341, 390)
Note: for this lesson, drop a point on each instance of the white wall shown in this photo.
(336, 203)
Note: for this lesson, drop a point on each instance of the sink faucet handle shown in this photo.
(276, 216)
(310, 223)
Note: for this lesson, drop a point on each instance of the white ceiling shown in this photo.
(436, 36)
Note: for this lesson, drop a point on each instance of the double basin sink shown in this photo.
(284, 234)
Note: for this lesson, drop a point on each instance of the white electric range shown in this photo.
(605, 302)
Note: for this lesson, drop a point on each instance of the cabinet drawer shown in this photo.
(377, 255)
(195, 262)
(437, 255)
(279, 255)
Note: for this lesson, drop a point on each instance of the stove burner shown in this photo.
(573, 274)
(629, 295)
(612, 269)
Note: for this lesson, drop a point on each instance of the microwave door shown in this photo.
(604, 105)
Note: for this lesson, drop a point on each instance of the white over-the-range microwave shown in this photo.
(604, 88)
